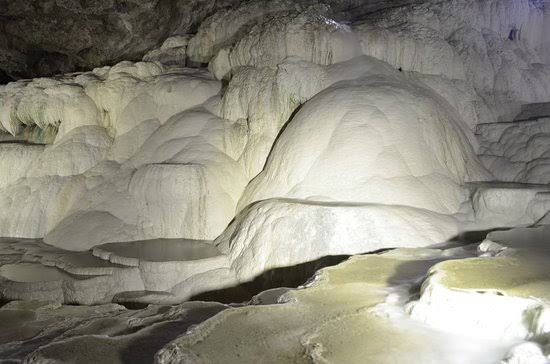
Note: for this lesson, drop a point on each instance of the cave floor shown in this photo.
(356, 311)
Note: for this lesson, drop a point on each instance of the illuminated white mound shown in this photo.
(283, 89)
(182, 183)
(105, 114)
(373, 140)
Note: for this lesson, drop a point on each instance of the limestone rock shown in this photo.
(279, 233)
(411, 47)
(516, 151)
(47, 38)
(372, 122)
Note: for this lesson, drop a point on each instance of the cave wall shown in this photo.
(46, 37)
(545, 48)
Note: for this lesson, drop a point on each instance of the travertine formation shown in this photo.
(277, 134)
(351, 312)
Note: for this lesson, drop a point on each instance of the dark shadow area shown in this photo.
(467, 238)
(143, 347)
(23, 142)
(134, 305)
(191, 64)
(28, 345)
(475, 236)
(5, 78)
(361, 10)
(290, 277)
(31, 135)
(533, 112)
(285, 125)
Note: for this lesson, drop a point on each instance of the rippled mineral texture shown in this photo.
(259, 181)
